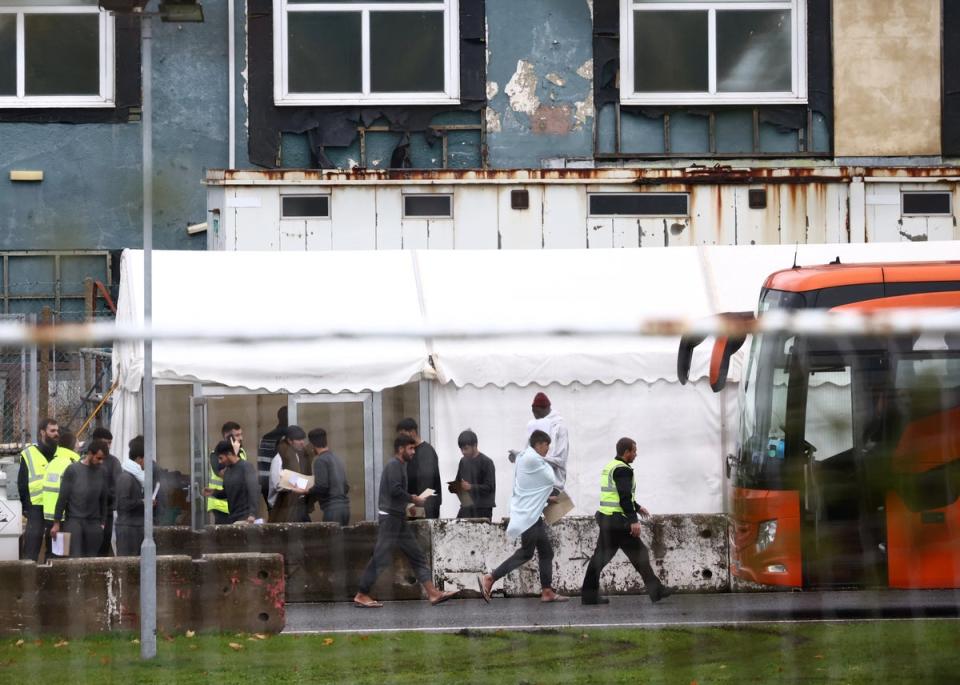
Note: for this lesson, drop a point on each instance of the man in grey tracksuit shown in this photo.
(83, 500)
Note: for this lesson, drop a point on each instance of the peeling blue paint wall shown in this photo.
(90, 197)
(539, 81)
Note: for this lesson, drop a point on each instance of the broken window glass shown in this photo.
(754, 51)
(62, 54)
(406, 52)
(324, 52)
(670, 51)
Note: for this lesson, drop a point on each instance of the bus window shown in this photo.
(828, 424)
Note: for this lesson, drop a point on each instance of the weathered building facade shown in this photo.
(477, 124)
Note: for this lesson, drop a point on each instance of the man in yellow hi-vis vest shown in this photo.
(64, 456)
(618, 519)
(232, 433)
(33, 469)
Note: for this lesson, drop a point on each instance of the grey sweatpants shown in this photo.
(85, 536)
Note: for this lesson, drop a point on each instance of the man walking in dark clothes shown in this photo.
(111, 466)
(330, 485)
(533, 483)
(394, 531)
(130, 502)
(267, 449)
(83, 500)
(424, 470)
(477, 477)
(240, 486)
(619, 525)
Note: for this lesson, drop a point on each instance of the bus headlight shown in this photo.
(766, 534)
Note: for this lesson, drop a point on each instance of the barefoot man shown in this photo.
(533, 483)
(393, 530)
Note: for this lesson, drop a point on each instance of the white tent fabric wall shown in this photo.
(677, 429)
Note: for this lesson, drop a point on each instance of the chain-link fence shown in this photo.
(15, 370)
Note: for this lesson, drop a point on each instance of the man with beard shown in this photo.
(394, 532)
(113, 469)
(288, 505)
(83, 500)
(240, 486)
(33, 471)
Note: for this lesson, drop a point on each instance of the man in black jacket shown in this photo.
(240, 486)
(393, 530)
(476, 479)
(33, 471)
(423, 470)
(111, 467)
(330, 485)
(83, 500)
(619, 525)
(130, 502)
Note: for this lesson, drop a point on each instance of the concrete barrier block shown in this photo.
(81, 596)
(18, 598)
(179, 540)
(239, 592)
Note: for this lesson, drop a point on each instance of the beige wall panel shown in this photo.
(173, 428)
(886, 56)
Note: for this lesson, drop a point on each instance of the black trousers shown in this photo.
(129, 540)
(220, 519)
(35, 533)
(394, 532)
(614, 536)
(475, 513)
(534, 538)
(106, 550)
(338, 512)
(85, 536)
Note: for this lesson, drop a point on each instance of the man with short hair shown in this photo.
(533, 485)
(330, 485)
(550, 422)
(619, 525)
(33, 470)
(130, 502)
(240, 486)
(424, 470)
(477, 477)
(232, 433)
(83, 501)
(267, 450)
(393, 530)
(64, 457)
(287, 505)
(113, 469)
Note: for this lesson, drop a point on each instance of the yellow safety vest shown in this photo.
(609, 497)
(215, 482)
(51, 483)
(36, 472)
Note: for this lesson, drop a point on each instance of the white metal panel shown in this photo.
(751, 222)
(882, 223)
(678, 231)
(389, 203)
(414, 234)
(714, 215)
(599, 232)
(475, 218)
(793, 213)
(293, 235)
(817, 209)
(319, 234)
(835, 216)
(626, 232)
(521, 228)
(911, 227)
(354, 215)
(858, 212)
(653, 232)
(257, 216)
(440, 234)
(564, 213)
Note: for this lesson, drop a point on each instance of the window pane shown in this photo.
(8, 54)
(670, 52)
(305, 206)
(62, 54)
(406, 52)
(638, 204)
(324, 52)
(754, 51)
(426, 205)
(926, 203)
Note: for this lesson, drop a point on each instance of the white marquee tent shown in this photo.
(604, 386)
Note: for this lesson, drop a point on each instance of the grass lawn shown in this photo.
(920, 651)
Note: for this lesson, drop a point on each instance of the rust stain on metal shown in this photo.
(552, 120)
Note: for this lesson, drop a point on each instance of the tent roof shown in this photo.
(458, 289)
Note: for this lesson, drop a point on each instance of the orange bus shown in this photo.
(847, 469)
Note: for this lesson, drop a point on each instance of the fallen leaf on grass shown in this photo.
(327, 641)
(168, 638)
(584, 636)
(251, 639)
(235, 646)
(104, 660)
(190, 633)
(62, 643)
(193, 646)
(20, 643)
(135, 641)
(722, 666)
(260, 636)
(364, 637)
(818, 656)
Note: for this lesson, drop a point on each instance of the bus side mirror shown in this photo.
(723, 349)
(685, 355)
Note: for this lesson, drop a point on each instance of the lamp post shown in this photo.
(180, 11)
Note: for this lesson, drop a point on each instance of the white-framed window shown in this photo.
(343, 52)
(715, 52)
(55, 54)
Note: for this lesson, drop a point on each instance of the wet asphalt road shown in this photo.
(625, 611)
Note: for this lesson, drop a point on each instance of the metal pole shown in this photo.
(148, 552)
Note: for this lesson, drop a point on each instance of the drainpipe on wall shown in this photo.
(858, 211)
(231, 86)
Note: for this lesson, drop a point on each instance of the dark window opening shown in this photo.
(440, 206)
(639, 204)
(301, 206)
(926, 203)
